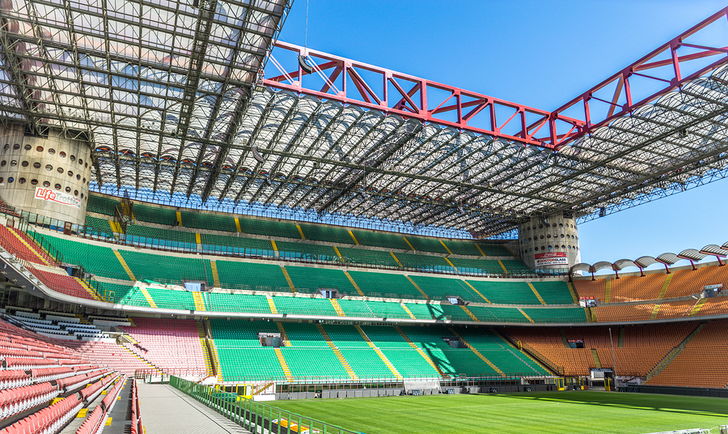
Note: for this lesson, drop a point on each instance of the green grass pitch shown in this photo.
(538, 412)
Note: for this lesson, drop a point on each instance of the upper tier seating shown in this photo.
(653, 285)
(98, 227)
(331, 234)
(205, 220)
(369, 257)
(381, 239)
(252, 276)
(238, 244)
(24, 247)
(99, 260)
(310, 279)
(62, 283)
(173, 269)
(210, 221)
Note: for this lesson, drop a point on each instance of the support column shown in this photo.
(48, 176)
(549, 244)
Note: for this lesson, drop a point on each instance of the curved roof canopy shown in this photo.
(667, 259)
(170, 95)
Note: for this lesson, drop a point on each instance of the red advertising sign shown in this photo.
(59, 197)
(551, 258)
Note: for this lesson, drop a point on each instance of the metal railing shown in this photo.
(254, 416)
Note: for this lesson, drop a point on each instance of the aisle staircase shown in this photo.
(143, 359)
(419, 351)
(669, 357)
(284, 364)
(480, 355)
(206, 352)
(337, 352)
(379, 352)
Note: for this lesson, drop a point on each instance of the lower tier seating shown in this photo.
(168, 343)
(45, 395)
(702, 362)
(111, 355)
(349, 352)
(629, 350)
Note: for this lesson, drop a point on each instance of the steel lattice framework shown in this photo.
(173, 98)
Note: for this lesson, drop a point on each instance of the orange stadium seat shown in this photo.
(701, 363)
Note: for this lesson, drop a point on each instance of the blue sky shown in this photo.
(539, 53)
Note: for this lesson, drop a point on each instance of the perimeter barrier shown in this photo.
(251, 415)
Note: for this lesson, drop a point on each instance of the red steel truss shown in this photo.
(687, 56)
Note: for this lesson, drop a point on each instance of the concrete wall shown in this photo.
(60, 165)
(542, 238)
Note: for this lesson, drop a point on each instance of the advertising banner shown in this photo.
(551, 258)
(55, 196)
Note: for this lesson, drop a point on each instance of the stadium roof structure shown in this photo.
(667, 259)
(177, 96)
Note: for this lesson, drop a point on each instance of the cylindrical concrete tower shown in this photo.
(549, 244)
(48, 176)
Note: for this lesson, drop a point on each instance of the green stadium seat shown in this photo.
(426, 310)
(477, 266)
(158, 237)
(385, 337)
(236, 244)
(101, 204)
(366, 363)
(172, 299)
(425, 262)
(498, 314)
(332, 234)
(304, 335)
(271, 228)
(314, 363)
(505, 292)
(167, 268)
(98, 227)
(118, 293)
(509, 359)
(515, 266)
(306, 251)
(554, 292)
(227, 302)
(494, 249)
(410, 363)
(556, 315)
(387, 309)
(345, 336)
(155, 214)
(97, 260)
(440, 287)
(304, 306)
(251, 276)
(209, 221)
(462, 247)
(380, 239)
(424, 244)
(358, 308)
(311, 280)
(356, 255)
(385, 285)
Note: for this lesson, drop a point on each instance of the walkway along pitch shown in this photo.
(166, 410)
